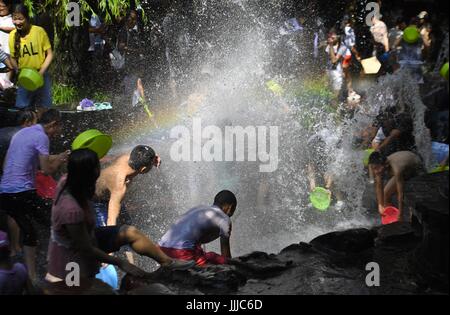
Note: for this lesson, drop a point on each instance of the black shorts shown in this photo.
(28, 210)
(107, 238)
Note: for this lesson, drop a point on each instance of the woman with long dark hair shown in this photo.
(30, 48)
(74, 237)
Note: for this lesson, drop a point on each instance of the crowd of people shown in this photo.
(27, 42)
(406, 47)
(408, 44)
(84, 220)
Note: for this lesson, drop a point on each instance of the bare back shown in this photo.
(112, 178)
(405, 164)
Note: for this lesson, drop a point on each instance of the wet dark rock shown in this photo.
(396, 233)
(351, 241)
(151, 289)
(260, 265)
(334, 263)
(300, 247)
(431, 212)
(210, 280)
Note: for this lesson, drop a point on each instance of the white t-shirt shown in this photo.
(200, 225)
(4, 44)
(5, 21)
(338, 50)
(379, 31)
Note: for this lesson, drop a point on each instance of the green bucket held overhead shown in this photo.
(411, 35)
(30, 79)
(444, 71)
(94, 140)
(320, 198)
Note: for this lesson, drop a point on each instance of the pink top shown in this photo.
(61, 250)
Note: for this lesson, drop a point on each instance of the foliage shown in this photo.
(101, 97)
(30, 6)
(316, 88)
(64, 94)
(110, 10)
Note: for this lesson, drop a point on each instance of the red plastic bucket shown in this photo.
(45, 186)
(390, 215)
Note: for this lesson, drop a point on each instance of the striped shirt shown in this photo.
(3, 55)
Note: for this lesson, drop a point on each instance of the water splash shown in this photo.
(227, 86)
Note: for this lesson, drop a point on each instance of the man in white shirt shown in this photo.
(379, 32)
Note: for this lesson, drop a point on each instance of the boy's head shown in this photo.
(226, 201)
(142, 159)
(400, 23)
(378, 162)
(4, 246)
(26, 118)
(333, 37)
(51, 121)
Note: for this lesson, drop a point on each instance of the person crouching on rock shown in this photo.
(400, 167)
(202, 225)
(74, 237)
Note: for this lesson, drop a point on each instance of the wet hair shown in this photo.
(19, 9)
(49, 116)
(376, 158)
(400, 20)
(333, 31)
(414, 21)
(25, 116)
(83, 170)
(7, 3)
(347, 19)
(225, 197)
(141, 156)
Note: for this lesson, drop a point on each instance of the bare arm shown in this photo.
(386, 42)
(392, 136)
(114, 205)
(356, 53)
(225, 247)
(15, 66)
(311, 177)
(51, 163)
(333, 57)
(48, 60)
(6, 29)
(10, 64)
(426, 38)
(399, 183)
(225, 244)
(380, 193)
